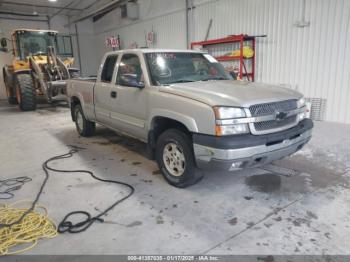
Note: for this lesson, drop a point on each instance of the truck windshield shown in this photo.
(34, 43)
(176, 67)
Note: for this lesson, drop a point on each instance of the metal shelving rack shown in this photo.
(219, 47)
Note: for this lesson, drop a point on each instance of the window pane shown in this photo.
(67, 45)
(33, 43)
(129, 71)
(108, 68)
(64, 46)
(60, 45)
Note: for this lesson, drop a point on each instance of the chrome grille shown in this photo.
(262, 126)
(273, 109)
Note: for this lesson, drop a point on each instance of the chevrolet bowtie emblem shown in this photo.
(281, 115)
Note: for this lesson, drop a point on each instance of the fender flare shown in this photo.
(23, 71)
(186, 120)
(81, 102)
(5, 70)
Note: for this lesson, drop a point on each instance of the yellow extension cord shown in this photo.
(23, 236)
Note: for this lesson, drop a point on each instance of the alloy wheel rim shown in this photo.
(174, 159)
(80, 121)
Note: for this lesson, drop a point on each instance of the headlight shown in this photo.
(223, 112)
(301, 102)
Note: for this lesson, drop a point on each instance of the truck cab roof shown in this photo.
(153, 50)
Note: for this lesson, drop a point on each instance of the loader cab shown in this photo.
(34, 42)
(28, 42)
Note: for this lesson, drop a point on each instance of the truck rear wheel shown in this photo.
(11, 97)
(84, 127)
(175, 158)
(25, 92)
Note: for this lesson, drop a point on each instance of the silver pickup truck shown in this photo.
(190, 112)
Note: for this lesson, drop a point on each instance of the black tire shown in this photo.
(25, 92)
(11, 97)
(191, 174)
(86, 128)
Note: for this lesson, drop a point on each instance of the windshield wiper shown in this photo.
(214, 78)
(181, 81)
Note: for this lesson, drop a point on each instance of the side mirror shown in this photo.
(131, 80)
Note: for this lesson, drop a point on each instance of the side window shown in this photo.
(64, 46)
(108, 68)
(130, 72)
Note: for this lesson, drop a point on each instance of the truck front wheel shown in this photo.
(175, 159)
(84, 127)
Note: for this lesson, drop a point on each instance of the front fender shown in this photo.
(188, 121)
(23, 71)
(9, 73)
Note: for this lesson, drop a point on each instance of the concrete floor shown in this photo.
(300, 205)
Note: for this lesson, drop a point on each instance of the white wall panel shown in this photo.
(87, 43)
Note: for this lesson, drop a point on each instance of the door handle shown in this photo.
(114, 94)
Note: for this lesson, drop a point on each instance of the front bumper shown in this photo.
(243, 151)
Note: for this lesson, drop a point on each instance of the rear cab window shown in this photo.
(108, 68)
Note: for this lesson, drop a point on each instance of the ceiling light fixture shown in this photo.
(52, 0)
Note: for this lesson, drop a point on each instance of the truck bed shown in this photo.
(83, 89)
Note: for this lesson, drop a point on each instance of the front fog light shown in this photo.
(232, 129)
(302, 116)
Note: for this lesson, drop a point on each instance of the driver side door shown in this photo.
(129, 109)
(104, 97)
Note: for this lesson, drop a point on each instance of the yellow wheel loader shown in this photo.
(36, 70)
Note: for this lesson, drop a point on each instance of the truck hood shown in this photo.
(231, 93)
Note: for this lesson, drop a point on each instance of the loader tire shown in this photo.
(25, 92)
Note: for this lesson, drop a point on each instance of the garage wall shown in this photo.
(165, 17)
(314, 59)
(88, 53)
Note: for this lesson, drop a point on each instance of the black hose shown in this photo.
(66, 225)
(11, 185)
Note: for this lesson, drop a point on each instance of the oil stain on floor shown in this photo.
(305, 177)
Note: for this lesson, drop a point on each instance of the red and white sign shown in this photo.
(113, 42)
(150, 38)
